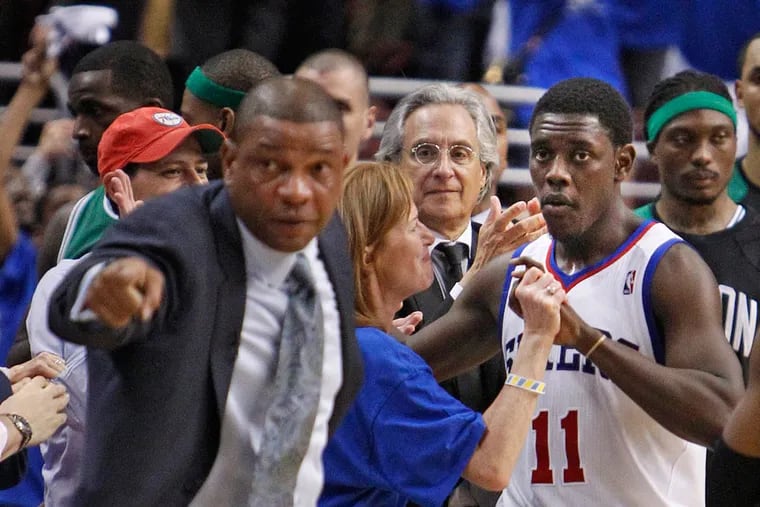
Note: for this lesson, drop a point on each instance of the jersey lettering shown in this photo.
(739, 319)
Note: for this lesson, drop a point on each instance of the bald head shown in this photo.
(331, 61)
(344, 78)
(283, 98)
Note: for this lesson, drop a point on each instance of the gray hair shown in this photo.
(440, 93)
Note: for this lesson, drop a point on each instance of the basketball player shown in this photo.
(640, 376)
(691, 136)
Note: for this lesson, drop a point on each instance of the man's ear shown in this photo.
(624, 159)
(739, 92)
(228, 153)
(226, 120)
(370, 126)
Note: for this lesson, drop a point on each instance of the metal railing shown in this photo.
(507, 95)
(384, 87)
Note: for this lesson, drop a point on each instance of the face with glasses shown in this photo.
(440, 153)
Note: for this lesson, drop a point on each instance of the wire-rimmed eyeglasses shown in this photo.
(430, 153)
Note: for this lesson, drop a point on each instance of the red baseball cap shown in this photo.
(148, 134)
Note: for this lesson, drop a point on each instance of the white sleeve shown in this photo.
(78, 312)
(3, 437)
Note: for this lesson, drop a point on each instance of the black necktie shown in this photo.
(450, 256)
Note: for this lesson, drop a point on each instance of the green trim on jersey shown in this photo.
(89, 220)
(737, 185)
(646, 211)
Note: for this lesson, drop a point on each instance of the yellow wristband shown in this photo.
(596, 344)
(528, 384)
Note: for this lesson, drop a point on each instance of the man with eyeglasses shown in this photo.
(444, 138)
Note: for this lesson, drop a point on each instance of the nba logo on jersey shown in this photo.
(629, 280)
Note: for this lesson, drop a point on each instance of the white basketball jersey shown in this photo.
(590, 444)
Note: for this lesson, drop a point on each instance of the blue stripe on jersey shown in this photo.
(658, 343)
(505, 289)
(568, 281)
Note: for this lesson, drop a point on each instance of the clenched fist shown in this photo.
(125, 289)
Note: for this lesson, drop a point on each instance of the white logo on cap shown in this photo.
(167, 119)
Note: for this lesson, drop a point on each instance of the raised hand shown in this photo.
(119, 189)
(503, 231)
(38, 67)
(540, 297)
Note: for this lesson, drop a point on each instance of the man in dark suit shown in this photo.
(182, 305)
(445, 139)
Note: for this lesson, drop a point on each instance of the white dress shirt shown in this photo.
(229, 482)
(466, 238)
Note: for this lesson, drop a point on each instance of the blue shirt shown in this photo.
(582, 41)
(405, 438)
(18, 276)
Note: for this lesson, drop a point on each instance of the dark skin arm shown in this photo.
(469, 327)
(693, 394)
(742, 432)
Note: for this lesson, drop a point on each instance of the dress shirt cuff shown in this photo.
(3, 437)
(456, 290)
(78, 313)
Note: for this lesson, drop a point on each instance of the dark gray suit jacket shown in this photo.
(478, 387)
(158, 389)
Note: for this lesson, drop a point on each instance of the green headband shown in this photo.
(205, 89)
(688, 102)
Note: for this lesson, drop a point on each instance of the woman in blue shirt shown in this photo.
(405, 438)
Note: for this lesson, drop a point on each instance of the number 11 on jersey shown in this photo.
(543, 473)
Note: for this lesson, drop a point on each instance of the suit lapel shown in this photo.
(474, 247)
(230, 295)
(334, 254)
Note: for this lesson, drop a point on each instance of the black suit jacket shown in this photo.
(158, 389)
(478, 387)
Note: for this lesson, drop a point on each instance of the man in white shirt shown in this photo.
(172, 304)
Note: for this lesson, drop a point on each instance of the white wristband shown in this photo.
(456, 290)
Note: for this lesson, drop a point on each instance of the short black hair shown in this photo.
(588, 96)
(741, 59)
(137, 72)
(684, 82)
(239, 69)
(131, 169)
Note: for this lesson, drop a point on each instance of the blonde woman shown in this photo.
(405, 438)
